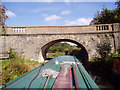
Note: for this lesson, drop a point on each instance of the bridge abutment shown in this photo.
(40, 57)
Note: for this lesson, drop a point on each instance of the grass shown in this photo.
(116, 55)
(13, 68)
(94, 60)
(53, 55)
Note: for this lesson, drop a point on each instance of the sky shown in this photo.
(58, 0)
(53, 13)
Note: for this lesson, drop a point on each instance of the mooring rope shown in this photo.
(35, 76)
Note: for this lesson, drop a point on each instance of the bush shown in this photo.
(12, 54)
(102, 67)
(15, 67)
(104, 48)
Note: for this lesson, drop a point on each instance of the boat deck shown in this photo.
(72, 74)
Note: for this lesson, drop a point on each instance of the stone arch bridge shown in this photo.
(32, 42)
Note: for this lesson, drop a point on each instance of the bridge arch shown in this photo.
(84, 52)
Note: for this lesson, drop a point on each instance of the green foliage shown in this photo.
(11, 69)
(107, 16)
(118, 50)
(104, 47)
(102, 66)
(3, 33)
(76, 52)
(98, 35)
(106, 36)
(12, 54)
(117, 3)
(102, 35)
(111, 35)
(61, 47)
(53, 55)
(92, 39)
(15, 67)
(116, 55)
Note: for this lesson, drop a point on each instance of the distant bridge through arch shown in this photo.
(32, 42)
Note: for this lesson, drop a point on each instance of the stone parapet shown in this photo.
(60, 29)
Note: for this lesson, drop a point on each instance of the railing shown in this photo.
(104, 27)
(18, 30)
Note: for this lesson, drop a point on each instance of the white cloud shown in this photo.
(10, 14)
(79, 21)
(65, 12)
(52, 18)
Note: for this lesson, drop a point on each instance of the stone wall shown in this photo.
(29, 42)
(30, 46)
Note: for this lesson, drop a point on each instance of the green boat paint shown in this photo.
(73, 88)
(24, 80)
(80, 78)
(41, 85)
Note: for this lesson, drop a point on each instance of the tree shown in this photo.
(60, 47)
(103, 17)
(3, 17)
(117, 3)
(104, 47)
(107, 16)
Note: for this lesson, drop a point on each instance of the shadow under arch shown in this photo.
(84, 52)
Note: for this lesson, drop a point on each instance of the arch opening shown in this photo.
(83, 52)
